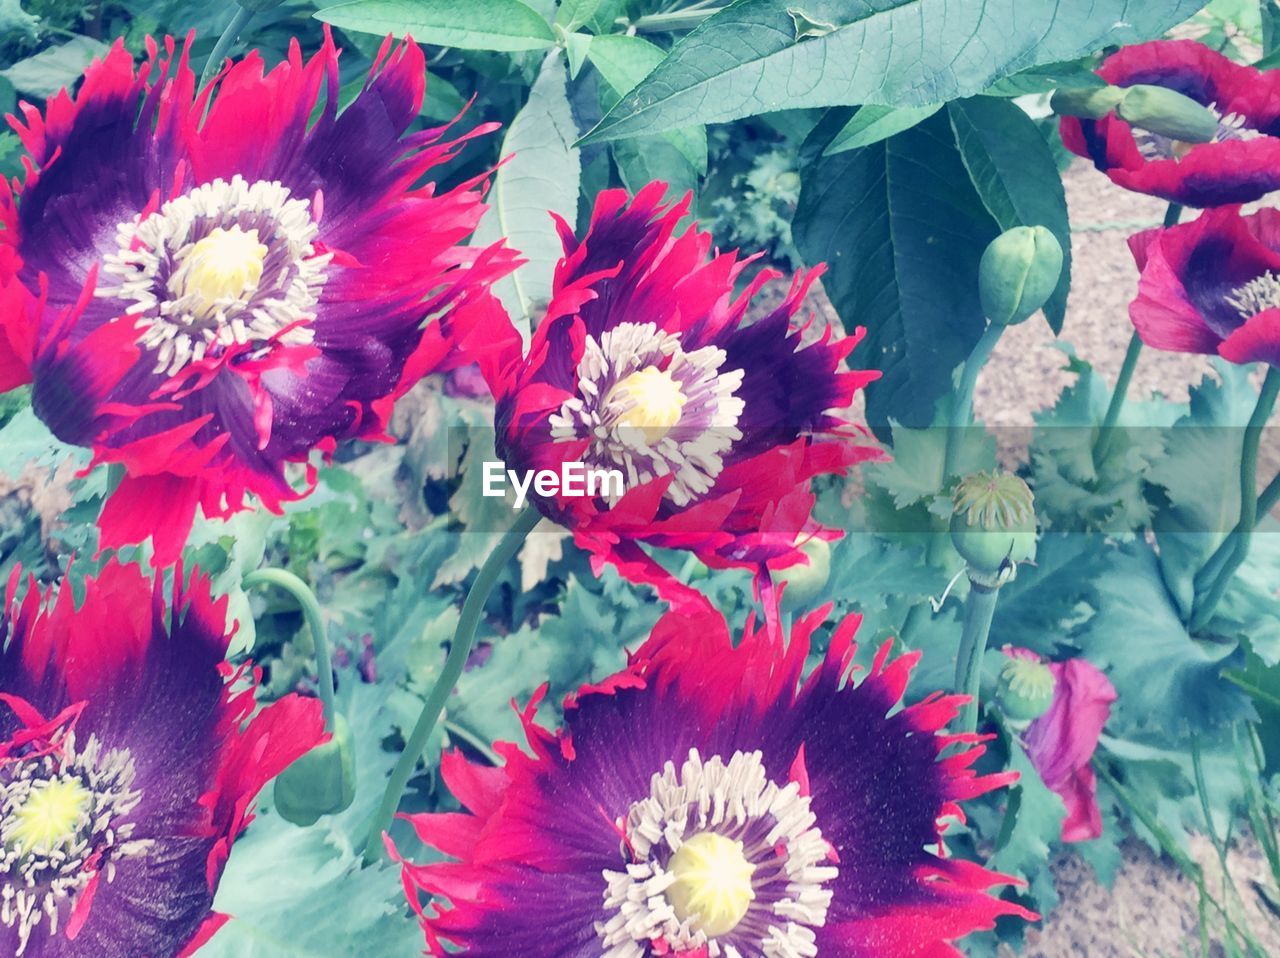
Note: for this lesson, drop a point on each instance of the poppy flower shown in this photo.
(1239, 165)
(1211, 286)
(644, 365)
(705, 801)
(128, 765)
(204, 299)
(1061, 742)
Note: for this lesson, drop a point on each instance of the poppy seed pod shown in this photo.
(1167, 112)
(806, 580)
(994, 526)
(321, 782)
(1025, 689)
(1018, 273)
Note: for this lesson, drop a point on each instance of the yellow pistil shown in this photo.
(658, 401)
(225, 264)
(712, 890)
(50, 816)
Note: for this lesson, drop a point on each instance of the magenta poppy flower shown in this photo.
(1061, 742)
(126, 766)
(644, 365)
(1211, 286)
(1241, 164)
(205, 301)
(706, 801)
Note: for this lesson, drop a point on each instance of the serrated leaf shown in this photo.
(902, 230)
(1037, 607)
(874, 122)
(1014, 172)
(751, 57)
(504, 25)
(1033, 819)
(13, 19)
(25, 441)
(539, 176)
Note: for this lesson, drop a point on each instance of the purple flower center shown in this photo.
(719, 856)
(652, 409)
(61, 822)
(225, 265)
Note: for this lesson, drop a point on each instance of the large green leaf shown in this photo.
(1014, 171)
(475, 25)
(902, 229)
(539, 176)
(757, 56)
(48, 71)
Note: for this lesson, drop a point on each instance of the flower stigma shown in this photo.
(712, 888)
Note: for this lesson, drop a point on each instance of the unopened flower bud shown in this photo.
(1091, 104)
(1167, 112)
(1018, 273)
(805, 581)
(321, 782)
(1025, 689)
(993, 526)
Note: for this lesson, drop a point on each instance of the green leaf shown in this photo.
(539, 176)
(50, 70)
(873, 123)
(576, 13)
(25, 442)
(902, 229)
(1038, 607)
(13, 19)
(1073, 75)
(623, 62)
(1167, 681)
(505, 25)
(752, 57)
(1013, 168)
(1033, 819)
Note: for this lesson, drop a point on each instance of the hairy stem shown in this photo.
(979, 609)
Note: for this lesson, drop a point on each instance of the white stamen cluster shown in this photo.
(1259, 294)
(36, 883)
(692, 451)
(791, 858)
(180, 326)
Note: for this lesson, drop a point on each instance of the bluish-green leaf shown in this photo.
(48, 71)
(902, 229)
(539, 177)
(751, 58)
(505, 25)
(1014, 171)
(875, 122)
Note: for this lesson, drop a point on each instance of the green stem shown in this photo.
(463, 639)
(1270, 496)
(288, 582)
(229, 35)
(961, 419)
(962, 411)
(1235, 549)
(675, 20)
(979, 609)
(1102, 444)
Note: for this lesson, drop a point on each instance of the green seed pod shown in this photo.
(993, 526)
(1092, 104)
(1025, 689)
(806, 582)
(1018, 273)
(322, 782)
(1160, 110)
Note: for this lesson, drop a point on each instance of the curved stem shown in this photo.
(463, 639)
(233, 30)
(962, 411)
(960, 420)
(979, 609)
(1102, 444)
(306, 599)
(1235, 549)
(1270, 497)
